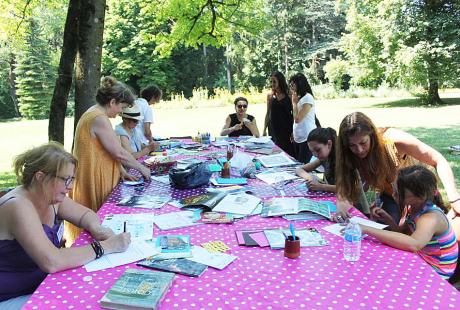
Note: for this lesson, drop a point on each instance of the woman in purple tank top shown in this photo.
(31, 224)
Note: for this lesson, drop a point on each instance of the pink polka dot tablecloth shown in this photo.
(261, 278)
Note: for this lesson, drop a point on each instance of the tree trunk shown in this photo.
(11, 79)
(89, 55)
(433, 93)
(65, 71)
(229, 70)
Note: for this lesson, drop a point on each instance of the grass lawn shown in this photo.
(436, 126)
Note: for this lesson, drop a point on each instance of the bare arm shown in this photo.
(427, 225)
(84, 218)
(408, 144)
(127, 146)
(227, 129)
(299, 115)
(267, 114)
(104, 132)
(253, 128)
(26, 228)
(148, 131)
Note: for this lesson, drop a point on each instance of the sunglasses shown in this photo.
(242, 106)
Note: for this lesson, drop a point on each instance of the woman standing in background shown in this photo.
(279, 113)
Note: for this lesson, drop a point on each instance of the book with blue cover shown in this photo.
(138, 289)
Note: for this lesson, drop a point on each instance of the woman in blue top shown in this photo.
(31, 225)
(130, 138)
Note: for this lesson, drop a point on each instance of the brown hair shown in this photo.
(240, 99)
(48, 158)
(376, 166)
(112, 89)
(421, 182)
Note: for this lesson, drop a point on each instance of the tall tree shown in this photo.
(34, 74)
(404, 43)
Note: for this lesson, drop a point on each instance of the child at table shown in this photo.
(321, 142)
(424, 227)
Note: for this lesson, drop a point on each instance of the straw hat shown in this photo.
(132, 112)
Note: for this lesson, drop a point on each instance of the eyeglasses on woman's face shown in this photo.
(242, 106)
(67, 180)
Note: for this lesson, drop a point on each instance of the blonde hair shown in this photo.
(48, 158)
(112, 89)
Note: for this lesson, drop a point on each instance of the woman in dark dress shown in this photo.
(240, 123)
(279, 113)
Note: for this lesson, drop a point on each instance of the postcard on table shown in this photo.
(276, 160)
(280, 206)
(239, 203)
(214, 260)
(173, 246)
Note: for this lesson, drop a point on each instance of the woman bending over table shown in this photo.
(240, 123)
(424, 227)
(376, 155)
(31, 224)
(321, 142)
(130, 138)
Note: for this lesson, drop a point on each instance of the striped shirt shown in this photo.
(441, 252)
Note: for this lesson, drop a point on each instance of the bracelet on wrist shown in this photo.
(98, 249)
(455, 200)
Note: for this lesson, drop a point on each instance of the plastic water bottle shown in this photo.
(352, 242)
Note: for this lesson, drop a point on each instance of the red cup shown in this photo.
(292, 247)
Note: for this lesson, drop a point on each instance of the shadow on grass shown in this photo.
(7, 179)
(416, 103)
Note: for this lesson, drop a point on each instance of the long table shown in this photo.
(261, 278)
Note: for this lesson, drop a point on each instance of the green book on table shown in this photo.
(176, 265)
(138, 289)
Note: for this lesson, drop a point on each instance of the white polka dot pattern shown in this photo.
(261, 278)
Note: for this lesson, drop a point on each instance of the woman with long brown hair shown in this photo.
(376, 156)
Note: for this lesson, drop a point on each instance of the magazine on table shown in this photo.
(138, 289)
(177, 265)
(293, 205)
(216, 218)
(276, 177)
(308, 237)
(144, 201)
(207, 200)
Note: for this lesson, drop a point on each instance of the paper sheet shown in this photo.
(337, 228)
(275, 177)
(140, 225)
(175, 220)
(240, 203)
(136, 251)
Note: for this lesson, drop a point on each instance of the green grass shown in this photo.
(439, 127)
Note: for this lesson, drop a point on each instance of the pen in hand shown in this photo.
(124, 227)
